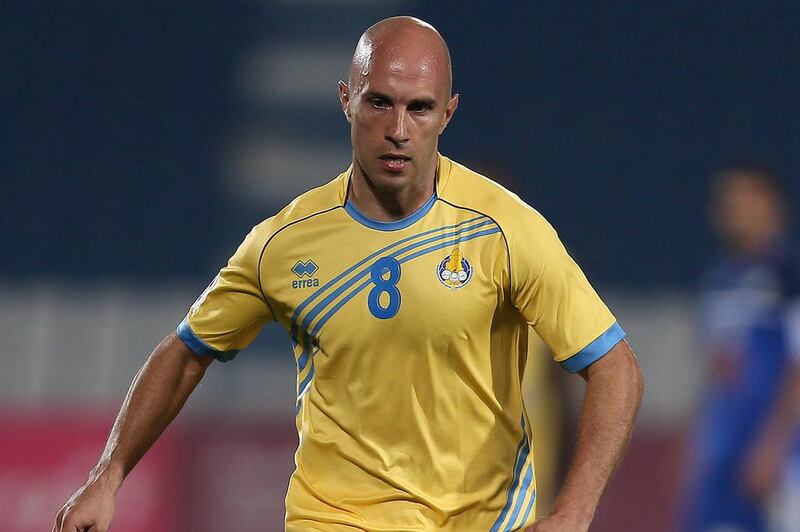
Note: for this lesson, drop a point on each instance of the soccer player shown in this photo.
(751, 327)
(407, 285)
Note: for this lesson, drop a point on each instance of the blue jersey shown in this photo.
(749, 323)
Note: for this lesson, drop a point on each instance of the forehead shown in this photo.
(742, 183)
(744, 191)
(399, 69)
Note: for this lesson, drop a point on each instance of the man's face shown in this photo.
(746, 214)
(397, 110)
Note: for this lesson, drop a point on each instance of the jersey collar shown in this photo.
(444, 165)
(443, 168)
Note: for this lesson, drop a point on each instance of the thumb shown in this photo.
(72, 523)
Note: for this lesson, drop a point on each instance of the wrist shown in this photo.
(579, 516)
(107, 476)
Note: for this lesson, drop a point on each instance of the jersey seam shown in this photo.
(502, 232)
(264, 249)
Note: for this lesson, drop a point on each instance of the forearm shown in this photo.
(785, 416)
(764, 463)
(156, 395)
(613, 394)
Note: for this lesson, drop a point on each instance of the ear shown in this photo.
(452, 105)
(344, 99)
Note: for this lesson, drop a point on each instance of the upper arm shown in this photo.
(231, 311)
(554, 296)
(620, 362)
(177, 347)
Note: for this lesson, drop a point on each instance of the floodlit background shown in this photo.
(141, 141)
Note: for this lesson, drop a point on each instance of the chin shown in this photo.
(391, 182)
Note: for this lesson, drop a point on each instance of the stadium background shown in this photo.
(140, 142)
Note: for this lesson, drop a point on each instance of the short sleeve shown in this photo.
(230, 312)
(554, 296)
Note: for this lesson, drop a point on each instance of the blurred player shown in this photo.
(750, 324)
(407, 285)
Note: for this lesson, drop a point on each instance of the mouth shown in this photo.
(394, 162)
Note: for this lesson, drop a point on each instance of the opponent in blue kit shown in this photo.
(750, 324)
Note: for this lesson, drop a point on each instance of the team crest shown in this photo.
(455, 270)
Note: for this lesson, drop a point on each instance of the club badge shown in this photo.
(454, 271)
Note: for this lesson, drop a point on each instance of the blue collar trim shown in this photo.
(390, 226)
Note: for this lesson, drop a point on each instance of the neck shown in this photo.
(757, 245)
(387, 204)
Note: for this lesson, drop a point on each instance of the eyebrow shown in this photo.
(430, 102)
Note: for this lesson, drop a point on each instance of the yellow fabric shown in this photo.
(410, 411)
(543, 397)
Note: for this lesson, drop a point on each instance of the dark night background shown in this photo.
(609, 118)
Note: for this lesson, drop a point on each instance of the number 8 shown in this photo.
(380, 267)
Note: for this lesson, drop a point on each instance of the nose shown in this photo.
(397, 132)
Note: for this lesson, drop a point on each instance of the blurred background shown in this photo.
(140, 141)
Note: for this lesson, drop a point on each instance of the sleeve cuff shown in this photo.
(595, 350)
(193, 342)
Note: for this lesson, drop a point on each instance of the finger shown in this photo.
(69, 523)
(59, 520)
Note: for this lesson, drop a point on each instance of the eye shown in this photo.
(379, 103)
(420, 107)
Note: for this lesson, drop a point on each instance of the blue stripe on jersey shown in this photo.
(308, 344)
(595, 350)
(309, 339)
(531, 504)
(316, 310)
(449, 243)
(303, 387)
(390, 226)
(336, 279)
(308, 318)
(523, 490)
(521, 457)
(193, 342)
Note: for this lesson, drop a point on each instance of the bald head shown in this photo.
(402, 44)
(397, 102)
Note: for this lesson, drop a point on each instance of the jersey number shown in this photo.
(388, 286)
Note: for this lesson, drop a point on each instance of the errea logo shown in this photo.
(305, 269)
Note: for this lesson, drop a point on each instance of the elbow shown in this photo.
(635, 377)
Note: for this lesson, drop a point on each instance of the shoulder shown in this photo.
(719, 272)
(789, 268)
(304, 207)
(470, 190)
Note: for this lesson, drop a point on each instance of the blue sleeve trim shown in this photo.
(595, 350)
(193, 342)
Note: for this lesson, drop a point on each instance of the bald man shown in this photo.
(407, 285)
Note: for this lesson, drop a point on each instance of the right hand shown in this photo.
(762, 469)
(89, 509)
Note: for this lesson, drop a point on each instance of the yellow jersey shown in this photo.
(410, 338)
